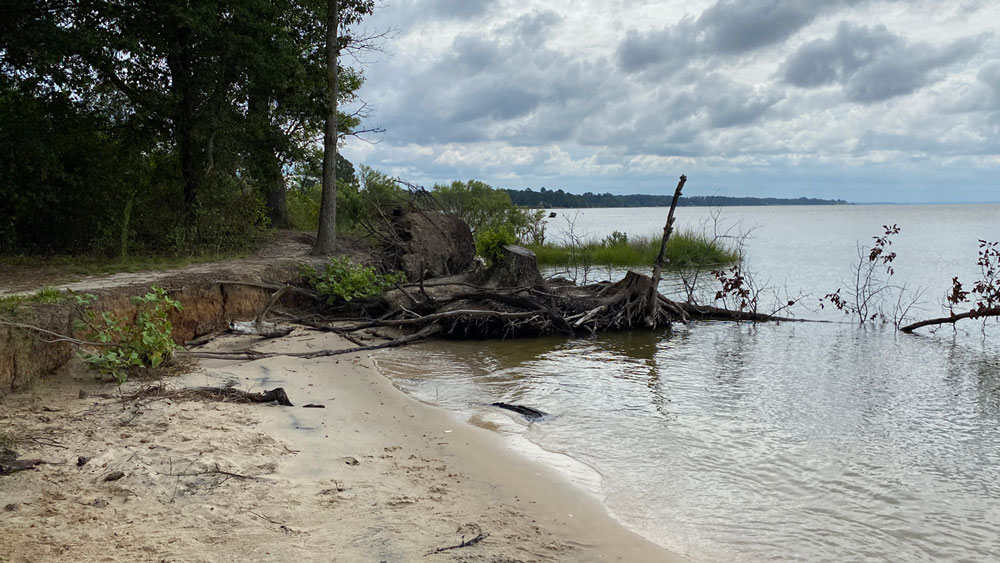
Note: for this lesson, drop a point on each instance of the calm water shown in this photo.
(790, 442)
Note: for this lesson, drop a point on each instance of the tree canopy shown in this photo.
(169, 124)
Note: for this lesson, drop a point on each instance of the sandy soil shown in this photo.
(287, 246)
(373, 476)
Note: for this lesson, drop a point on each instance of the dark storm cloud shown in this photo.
(728, 27)
(872, 63)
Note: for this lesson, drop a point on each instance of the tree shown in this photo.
(326, 236)
(169, 123)
(337, 21)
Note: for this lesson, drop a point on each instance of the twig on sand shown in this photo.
(262, 517)
(469, 543)
(215, 471)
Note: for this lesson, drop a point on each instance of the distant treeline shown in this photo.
(559, 198)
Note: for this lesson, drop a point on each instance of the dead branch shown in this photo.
(707, 312)
(13, 466)
(227, 394)
(469, 543)
(953, 318)
(661, 258)
(259, 321)
(215, 471)
(425, 332)
(58, 337)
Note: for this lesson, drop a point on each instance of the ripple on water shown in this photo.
(775, 443)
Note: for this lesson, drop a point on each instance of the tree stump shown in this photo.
(517, 268)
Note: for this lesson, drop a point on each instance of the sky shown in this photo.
(866, 101)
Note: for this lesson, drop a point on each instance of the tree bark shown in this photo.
(661, 258)
(326, 237)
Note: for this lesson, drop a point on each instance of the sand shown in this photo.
(373, 476)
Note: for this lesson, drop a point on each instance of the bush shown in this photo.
(341, 280)
(490, 242)
(145, 343)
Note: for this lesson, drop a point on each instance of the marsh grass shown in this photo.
(685, 249)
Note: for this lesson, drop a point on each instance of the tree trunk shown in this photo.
(517, 268)
(326, 237)
(179, 63)
(263, 145)
(274, 188)
(661, 258)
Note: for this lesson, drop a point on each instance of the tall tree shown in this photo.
(326, 236)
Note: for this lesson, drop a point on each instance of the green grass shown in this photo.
(685, 249)
(45, 295)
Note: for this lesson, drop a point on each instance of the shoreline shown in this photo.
(375, 475)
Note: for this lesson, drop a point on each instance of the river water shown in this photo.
(770, 442)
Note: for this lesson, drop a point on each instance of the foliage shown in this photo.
(484, 208)
(490, 242)
(872, 296)
(616, 238)
(986, 290)
(145, 342)
(304, 195)
(158, 126)
(46, 295)
(341, 280)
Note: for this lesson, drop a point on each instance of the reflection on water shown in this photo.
(782, 442)
(728, 442)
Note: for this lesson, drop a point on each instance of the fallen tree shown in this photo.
(953, 318)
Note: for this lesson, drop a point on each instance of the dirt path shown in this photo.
(287, 246)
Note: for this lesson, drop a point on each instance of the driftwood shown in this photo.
(464, 543)
(953, 318)
(10, 464)
(709, 313)
(233, 395)
(526, 412)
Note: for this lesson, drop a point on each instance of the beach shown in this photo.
(364, 474)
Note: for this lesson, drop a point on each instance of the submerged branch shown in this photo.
(953, 318)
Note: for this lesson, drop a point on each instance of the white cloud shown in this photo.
(776, 95)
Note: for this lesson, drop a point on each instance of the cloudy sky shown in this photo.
(860, 100)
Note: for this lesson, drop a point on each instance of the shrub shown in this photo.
(341, 280)
(145, 343)
(490, 242)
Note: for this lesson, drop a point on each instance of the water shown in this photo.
(777, 442)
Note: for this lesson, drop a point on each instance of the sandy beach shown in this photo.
(372, 476)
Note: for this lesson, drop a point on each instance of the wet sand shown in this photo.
(372, 476)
